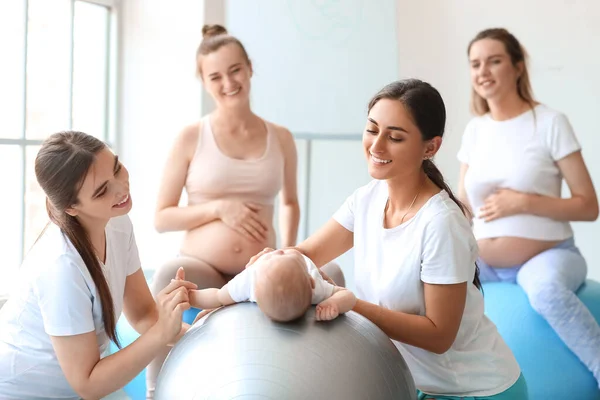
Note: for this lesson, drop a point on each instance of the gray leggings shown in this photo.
(205, 276)
(550, 280)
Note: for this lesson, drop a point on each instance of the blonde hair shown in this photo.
(213, 38)
(517, 54)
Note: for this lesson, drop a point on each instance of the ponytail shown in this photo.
(433, 173)
(78, 236)
(426, 106)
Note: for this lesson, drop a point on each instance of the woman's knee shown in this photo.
(334, 271)
(543, 296)
(562, 268)
(163, 275)
(197, 271)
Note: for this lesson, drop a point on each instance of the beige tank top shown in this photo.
(212, 175)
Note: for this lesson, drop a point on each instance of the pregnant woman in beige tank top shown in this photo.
(232, 165)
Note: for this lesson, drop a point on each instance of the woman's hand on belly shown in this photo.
(244, 218)
(503, 203)
(224, 248)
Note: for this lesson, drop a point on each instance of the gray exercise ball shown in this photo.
(236, 352)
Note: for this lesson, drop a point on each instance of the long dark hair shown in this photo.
(60, 168)
(427, 108)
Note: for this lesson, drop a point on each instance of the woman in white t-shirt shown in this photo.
(82, 271)
(415, 254)
(514, 156)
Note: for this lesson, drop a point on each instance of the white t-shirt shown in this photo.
(518, 154)
(241, 287)
(57, 297)
(436, 246)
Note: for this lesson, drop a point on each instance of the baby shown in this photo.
(284, 284)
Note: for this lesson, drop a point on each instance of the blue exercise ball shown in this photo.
(551, 370)
(136, 389)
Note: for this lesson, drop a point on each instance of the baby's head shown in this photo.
(283, 287)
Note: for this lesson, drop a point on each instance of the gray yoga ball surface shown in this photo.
(236, 352)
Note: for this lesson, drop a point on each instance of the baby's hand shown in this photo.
(327, 311)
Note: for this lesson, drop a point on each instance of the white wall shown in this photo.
(562, 41)
(316, 65)
(159, 96)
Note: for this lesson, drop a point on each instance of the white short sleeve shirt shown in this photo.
(436, 246)
(57, 297)
(519, 154)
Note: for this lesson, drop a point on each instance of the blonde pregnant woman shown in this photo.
(515, 154)
(232, 165)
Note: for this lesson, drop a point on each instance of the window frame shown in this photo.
(110, 107)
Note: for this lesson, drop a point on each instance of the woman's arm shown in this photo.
(583, 203)
(581, 206)
(328, 243)
(435, 331)
(139, 306)
(169, 216)
(462, 193)
(289, 213)
(93, 377)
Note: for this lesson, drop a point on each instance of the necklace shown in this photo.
(97, 253)
(409, 207)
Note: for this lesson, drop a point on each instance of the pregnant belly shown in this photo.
(223, 248)
(504, 252)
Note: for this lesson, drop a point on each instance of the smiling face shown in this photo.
(226, 74)
(493, 74)
(104, 193)
(393, 144)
